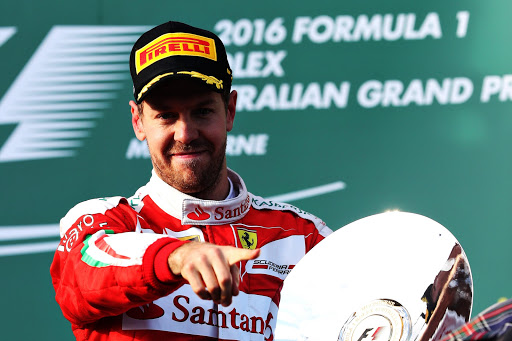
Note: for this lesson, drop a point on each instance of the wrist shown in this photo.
(161, 266)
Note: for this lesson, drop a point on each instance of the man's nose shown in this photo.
(185, 131)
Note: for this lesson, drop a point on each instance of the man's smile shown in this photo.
(188, 155)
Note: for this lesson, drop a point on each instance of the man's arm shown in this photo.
(104, 266)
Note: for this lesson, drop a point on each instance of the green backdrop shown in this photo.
(346, 109)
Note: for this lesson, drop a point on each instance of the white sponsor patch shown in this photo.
(248, 317)
(278, 257)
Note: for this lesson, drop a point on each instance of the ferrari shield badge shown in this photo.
(248, 238)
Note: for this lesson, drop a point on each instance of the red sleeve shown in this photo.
(104, 266)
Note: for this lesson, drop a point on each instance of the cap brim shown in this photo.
(213, 83)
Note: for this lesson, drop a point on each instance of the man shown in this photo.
(192, 254)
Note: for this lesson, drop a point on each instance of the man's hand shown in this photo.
(211, 270)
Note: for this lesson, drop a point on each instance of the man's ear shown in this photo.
(138, 128)
(231, 110)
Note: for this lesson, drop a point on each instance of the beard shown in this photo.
(192, 176)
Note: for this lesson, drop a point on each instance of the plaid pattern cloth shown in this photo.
(494, 323)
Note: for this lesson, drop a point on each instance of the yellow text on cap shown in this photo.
(174, 44)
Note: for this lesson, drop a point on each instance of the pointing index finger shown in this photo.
(236, 255)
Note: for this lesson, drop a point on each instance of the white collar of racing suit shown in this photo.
(194, 211)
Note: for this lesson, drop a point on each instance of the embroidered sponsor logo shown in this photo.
(248, 238)
(198, 214)
(283, 269)
(211, 317)
(174, 44)
(72, 235)
(195, 212)
(232, 212)
(249, 317)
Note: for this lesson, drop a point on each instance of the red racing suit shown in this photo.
(112, 280)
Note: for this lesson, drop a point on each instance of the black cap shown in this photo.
(176, 49)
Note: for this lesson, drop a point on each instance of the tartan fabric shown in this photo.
(494, 323)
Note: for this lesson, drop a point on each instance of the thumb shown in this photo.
(235, 255)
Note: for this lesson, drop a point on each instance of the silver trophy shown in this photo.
(393, 276)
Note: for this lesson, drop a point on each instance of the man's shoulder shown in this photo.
(97, 205)
(276, 207)
(261, 203)
(91, 207)
(101, 205)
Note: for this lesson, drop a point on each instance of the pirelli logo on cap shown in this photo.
(174, 44)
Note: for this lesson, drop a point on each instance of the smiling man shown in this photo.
(185, 125)
(192, 254)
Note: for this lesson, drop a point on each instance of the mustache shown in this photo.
(195, 146)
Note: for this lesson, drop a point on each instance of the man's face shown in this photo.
(185, 125)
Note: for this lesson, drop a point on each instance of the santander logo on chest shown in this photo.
(211, 212)
(248, 317)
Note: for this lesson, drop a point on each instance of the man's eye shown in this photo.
(203, 111)
(166, 116)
